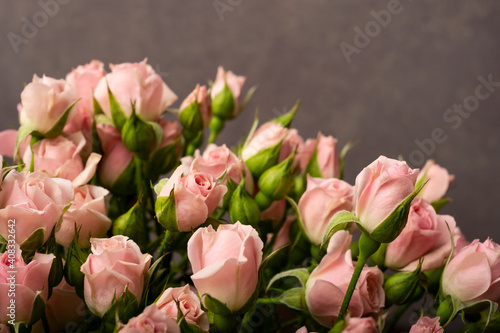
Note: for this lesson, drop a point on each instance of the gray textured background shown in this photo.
(394, 91)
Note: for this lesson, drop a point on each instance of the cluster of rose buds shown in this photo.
(116, 217)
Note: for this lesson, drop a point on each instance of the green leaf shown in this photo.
(59, 125)
(338, 220)
(302, 274)
(117, 114)
(286, 119)
(439, 204)
(34, 241)
(165, 209)
(214, 305)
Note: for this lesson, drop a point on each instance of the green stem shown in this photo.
(367, 247)
(397, 315)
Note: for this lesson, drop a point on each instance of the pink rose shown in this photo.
(327, 157)
(361, 325)
(380, 188)
(135, 83)
(89, 213)
(60, 157)
(427, 325)
(425, 235)
(151, 320)
(328, 282)
(35, 201)
(226, 262)
(321, 200)
(171, 132)
(474, 273)
(84, 80)
(195, 189)
(219, 159)
(116, 157)
(8, 139)
(115, 263)
(275, 212)
(189, 304)
(438, 180)
(64, 306)
(283, 237)
(29, 279)
(44, 102)
(200, 95)
(268, 135)
(234, 83)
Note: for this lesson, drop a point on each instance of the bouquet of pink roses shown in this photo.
(113, 220)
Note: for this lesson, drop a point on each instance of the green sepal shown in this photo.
(302, 274)
(138, 135)
(59, 125)
(391, 227)
(243, 208)
(38, 308)
(379, 257)
(158, 133)
(56, 273)
(277, 181)
(263, 160)
(122, 309)
(163, 160)
(131, 224)
(165, 208)
(214, 305)
(286, 119)
(75, 258)
(22, 133)
(439, 204)
(223, 104)
(338, 220)
(34, 241)
(400, 287)
(480, 326)
(149, 275)
(191, 120)
(97, 107)
(312, 167)
(343, 153)
(187, 327)
(157, 188)
(103, 119)
(247, 98)
(294, 298)
(117, 114)
(125, 184)
(299, 218)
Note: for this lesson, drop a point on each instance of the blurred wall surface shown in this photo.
(385, 74)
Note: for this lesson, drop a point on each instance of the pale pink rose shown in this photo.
(425, 235)
(194, 189)
(326, 155)
(84, 80)
(44, 101)
(64, 306)
(321, 200)
(427, 325)
(275, 212)
(115, 263)
(29, 279)
(438, 180)
(328, 282)
(234, 83)
(474, 273)
(135, 83)
(283, 237)
(34, 201)
(189, 304)
(171, 132)
(200, 95)
(226, 262)
(292, 142)
(361, 325)
(60, 157)
(380, 188)
(88, 212)
(151, 320)
(8, 139)
(219, 159)
(305, 153)
(116, 157)
(268, 135)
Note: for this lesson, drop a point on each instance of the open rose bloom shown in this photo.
(122, 210)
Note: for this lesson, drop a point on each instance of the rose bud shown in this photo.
(60, 157)
(293, 142)
(438, 180)
(328, 283)
(176, 199)
(134, 83)
(84, 80)
(473, 275)
(115, 263)
(189, 305)
(31, 280)
(243, 208)
(36, 202)
(116, 170)
(150, 320)
(400, 287)
(195, 112)
(139, 135)
(225, 262)
(263, 149)
(45, 103)
(382, 189)
(427, 325)
(322, 199)
(88, 212)
(320, 158)
(425, 235)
